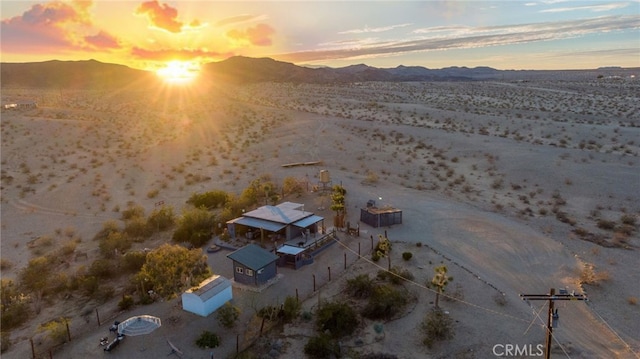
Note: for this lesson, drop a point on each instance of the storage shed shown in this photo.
(253, 265)
(380, 217)
(210, 295)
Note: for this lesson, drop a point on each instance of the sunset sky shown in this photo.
(550, 34)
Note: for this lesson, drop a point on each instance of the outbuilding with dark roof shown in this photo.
(253, 265)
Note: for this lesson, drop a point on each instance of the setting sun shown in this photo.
(179, 72)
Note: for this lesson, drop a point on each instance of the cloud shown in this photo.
(162, 16)
(373, 29)
(103, 40)
(55, 27)
(177, 54)
(259, 35)
(460, 37)
(239, 19)
(592, 8)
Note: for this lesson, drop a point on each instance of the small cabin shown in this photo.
(253, 265)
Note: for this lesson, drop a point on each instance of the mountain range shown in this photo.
(92, 74)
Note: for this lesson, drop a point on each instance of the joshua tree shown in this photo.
(440, 281)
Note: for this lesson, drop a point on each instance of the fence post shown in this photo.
(345, 260)
(98, 316)
(314, 282)
(329, 268)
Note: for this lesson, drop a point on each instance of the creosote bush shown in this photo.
(228, 315)
(208, 340)
(339, 319)
(437, 326)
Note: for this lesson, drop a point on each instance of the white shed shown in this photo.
(210, 295)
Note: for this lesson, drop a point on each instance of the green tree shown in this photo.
(170, 269)
(440, 281)
(195, 226)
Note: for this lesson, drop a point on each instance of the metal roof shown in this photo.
(253, 257)
(287, 249)
(306, 222)
(285, 213)
(259, 223)
(210, 287)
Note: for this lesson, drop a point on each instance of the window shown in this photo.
(249, 272)
(239, 270)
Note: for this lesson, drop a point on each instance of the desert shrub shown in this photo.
(208, 340)
(101, 268)
(126, 302)
(15, 306)
(396, 275)
(291, 308)
(5, 341)
(114, 242)
(56, 329)
(437, 326)
(361, 286)
(211, 199)
(407, 255)
(161, 219)
(337, 318)
(322, 346)
(5, 264)
(133, 261)
(132, 211)
(228, 314)
(628, 219)
(384, 303)
(591, 277)
(137, 228)
(291, 185)
(632, 300)
(500, 299)
(375, 256)
(269, 312)
(606, 224)
(108, 227)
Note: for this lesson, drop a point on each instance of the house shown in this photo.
(287, 220)
(210, 295)
(253, 265)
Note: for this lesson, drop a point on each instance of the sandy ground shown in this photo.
(480, 170)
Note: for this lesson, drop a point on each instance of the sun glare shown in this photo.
(179, 72)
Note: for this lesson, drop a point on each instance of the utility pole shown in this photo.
(552, 315)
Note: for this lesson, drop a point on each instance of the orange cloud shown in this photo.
(161, 16)
(103, 40)
(260, 35)
(52, 27)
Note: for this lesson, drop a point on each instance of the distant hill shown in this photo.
(92, 74)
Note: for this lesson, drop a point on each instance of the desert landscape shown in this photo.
(518, 184)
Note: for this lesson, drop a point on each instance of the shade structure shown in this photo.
(139, 325)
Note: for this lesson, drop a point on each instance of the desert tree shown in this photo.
(440, 281)
(170, 269)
